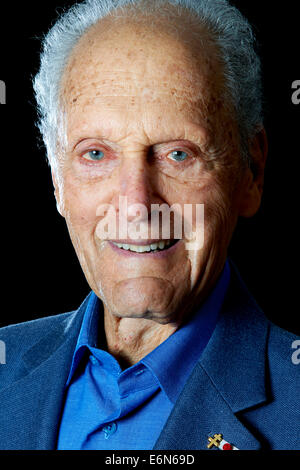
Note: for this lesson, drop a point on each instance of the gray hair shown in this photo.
(230, 30)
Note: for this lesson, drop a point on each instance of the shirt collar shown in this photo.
(172, 361)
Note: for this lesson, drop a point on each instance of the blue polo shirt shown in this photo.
(107, 408)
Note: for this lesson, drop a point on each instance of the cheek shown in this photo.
(80, 204)
(220, 219)
(217, 196)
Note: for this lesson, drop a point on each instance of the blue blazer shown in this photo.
(245, 386)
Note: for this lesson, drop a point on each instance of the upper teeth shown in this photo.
(142, 249)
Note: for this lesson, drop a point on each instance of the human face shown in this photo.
(132, 97)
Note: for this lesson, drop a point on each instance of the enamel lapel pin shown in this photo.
(218, 441)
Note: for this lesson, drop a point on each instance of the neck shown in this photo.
(131, 339)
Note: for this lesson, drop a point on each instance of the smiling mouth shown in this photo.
(162, 245)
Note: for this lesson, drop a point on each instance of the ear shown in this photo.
(254, 175)
(57, 194)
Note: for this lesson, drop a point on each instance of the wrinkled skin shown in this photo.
(138, 93)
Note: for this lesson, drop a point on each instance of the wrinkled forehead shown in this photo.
(143, 60)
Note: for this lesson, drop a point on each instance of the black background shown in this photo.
(40, 272)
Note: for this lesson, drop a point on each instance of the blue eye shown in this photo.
(178, 156)
(94, 155)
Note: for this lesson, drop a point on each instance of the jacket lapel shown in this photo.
(200, 413)
(229, 378)
(33, 403)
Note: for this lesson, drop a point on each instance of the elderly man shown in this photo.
(144, 105)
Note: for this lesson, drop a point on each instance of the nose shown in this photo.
(135, 186)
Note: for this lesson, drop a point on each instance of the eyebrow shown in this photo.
(191, 132)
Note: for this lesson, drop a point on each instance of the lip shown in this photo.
(129, 241)
(147, 254)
